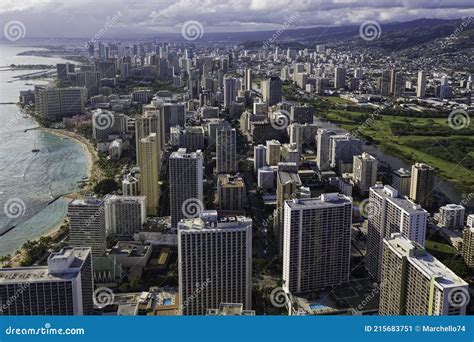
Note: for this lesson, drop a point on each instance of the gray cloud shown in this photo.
(84, 18)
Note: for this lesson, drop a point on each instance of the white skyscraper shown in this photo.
(316, 242)
(214, 262)
(421, 86)
(226, 151)
(389, 213)
(124, 214)
(413, 282)
(64, 287)
(186, 184)
(365, 171)
(87, 224)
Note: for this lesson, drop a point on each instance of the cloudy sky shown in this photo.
(83, 18)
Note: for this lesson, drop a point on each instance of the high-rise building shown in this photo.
(231, 88)
(226, 161)
(422, 184)
(106, 123)
(385, 83)
(271, 90)
(174, 114)
(451, 216)
(365, 169)
(339, 78)
(130, 185)
(53, 104)
(470, 221)
(413, 282)
(398, 84)
(468, 243)
(302, 114)
(266, 178)
(401, 181)
(421, 85)
(389, 213)
(150, 122)
(248, 79)
(343, 148)
(87, 224)
(63, 287)
(259, 157)
(273, 152)
(324, 148)
(124, 214)
(303, 134)
(288, 183)
(186, 183)
(317, 242)
(148, 160)
(89, 79)
(214, 262)
(63, 69)
(230, 192)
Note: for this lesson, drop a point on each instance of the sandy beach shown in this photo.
(94, 173)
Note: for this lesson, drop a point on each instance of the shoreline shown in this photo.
(94, 174)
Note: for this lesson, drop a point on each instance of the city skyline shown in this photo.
(249, 161)
(121, 19)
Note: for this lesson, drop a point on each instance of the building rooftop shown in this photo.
(452, 207)
(289, 177)
(402, 172)
(63, 265)
(87, 202)
(183, 154)
(231, 181)
(211, 220)
(424, 261)
(325, 200)
(125, 199)
(392, 195)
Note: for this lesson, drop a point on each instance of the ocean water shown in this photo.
(30, 181)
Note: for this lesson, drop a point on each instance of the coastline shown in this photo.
(93, 172)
